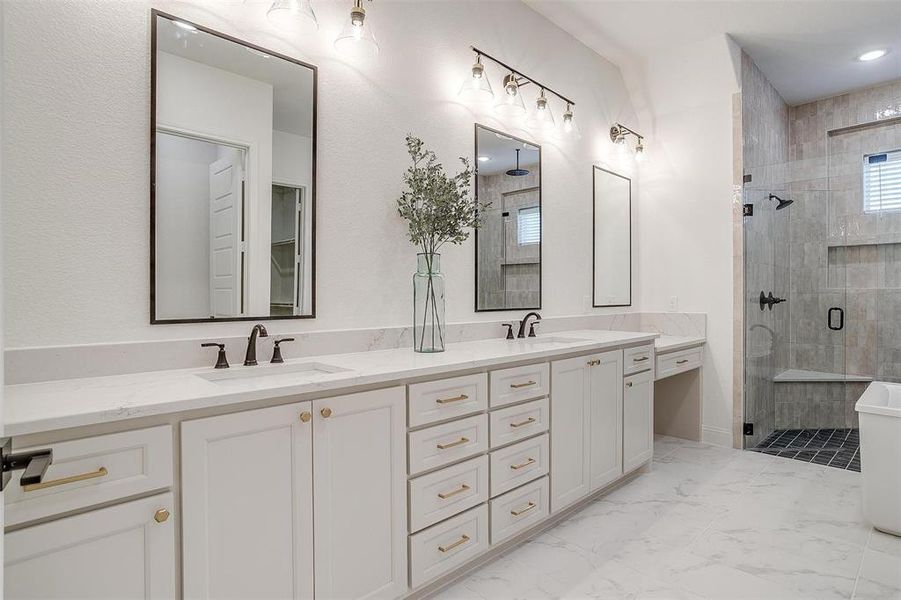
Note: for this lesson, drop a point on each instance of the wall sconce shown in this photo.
(618, 135)
(511, 103)
(356, 36)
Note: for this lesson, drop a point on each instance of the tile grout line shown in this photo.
(860, 564)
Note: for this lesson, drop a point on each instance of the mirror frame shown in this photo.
(476, 127)
(154, 15)
(594, 233)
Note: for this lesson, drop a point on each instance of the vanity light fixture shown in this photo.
(477, 87)
(292, 14)
(356, 37)
(618, 135)
(511, 103)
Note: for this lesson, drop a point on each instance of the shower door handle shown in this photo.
(841, 319)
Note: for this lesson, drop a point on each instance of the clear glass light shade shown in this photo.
(292, 15)
(568, 127)
(542, 116)
(357, 39)
(640, 153)
(510, 106)
(477, 87)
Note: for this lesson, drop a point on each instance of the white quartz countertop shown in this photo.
(671, 343)
(46, 406)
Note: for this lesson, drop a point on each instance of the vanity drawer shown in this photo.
(435, 401)
(518, 384)
(446, 546)
(443, 444)
(678, 362)
(519, 509)
(94, 470)
(638, 359)
(518, 464)
(444, 493)
(519, 422)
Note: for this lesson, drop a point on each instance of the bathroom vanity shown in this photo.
(373, 474)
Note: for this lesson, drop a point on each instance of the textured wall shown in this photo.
(76, 118)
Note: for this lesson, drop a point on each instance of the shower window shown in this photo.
(882, 182)
(529, 225)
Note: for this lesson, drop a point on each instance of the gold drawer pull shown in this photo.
(454, 399)
(594, 363)
(528, 421)
(682, 362)
(516, 386)
(462, 440)
(531, 461)
(459, 490)
(463, 539)
(642, 359)
(528, 507)
(101, 472)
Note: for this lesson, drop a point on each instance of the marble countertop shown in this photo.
(671, 343)
(38, 407)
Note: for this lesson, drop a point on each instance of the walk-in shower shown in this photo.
(821, 280)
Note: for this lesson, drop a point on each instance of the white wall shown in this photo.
(81, 107)
(685, 204)
(219, 105)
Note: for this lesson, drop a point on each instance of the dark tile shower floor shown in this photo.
(838, 448)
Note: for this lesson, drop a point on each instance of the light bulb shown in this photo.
(543, 116)
(292, 15)
(356, 38)
(511, 87)
(477, 87)
(511, 104)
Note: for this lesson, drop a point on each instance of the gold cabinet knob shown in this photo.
(161, 515)
(326, 413)
(305, 417)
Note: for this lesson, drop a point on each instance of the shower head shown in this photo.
(782, 203)
(517, 172)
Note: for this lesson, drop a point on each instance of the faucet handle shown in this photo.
(277, 351)
(221, 359)
(532, 328)
(509, 327)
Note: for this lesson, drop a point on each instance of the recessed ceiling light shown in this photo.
(185, 26)
(872, 55)
(484, 159)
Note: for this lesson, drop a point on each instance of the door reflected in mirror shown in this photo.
(612, 239)
(232, 172)
(508, 241)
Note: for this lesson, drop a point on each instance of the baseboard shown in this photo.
(716, 436)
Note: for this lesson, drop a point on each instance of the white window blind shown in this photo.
(882, 182)
(529, 225)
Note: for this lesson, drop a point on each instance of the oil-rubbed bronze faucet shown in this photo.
(250, 358)
(522, 325)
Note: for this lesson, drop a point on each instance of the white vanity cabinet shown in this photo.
(601, 422)
(123, 551)
(638, 420)
(253, 481)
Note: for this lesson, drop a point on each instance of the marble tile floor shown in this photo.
(706, 523)
(838, 448)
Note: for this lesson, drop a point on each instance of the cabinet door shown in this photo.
(360, 504)
(606, 418)
(247, 505)
(638, 420)
(111, 553)
(570, 421)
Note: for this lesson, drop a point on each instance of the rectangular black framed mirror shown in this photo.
(232, 178)
(508, 240)
(611, 239)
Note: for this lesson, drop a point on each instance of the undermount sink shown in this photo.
(299, 372)
(541, 341)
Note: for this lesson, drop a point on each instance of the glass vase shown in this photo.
(428, 304)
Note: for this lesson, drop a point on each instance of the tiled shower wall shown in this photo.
(765, 161)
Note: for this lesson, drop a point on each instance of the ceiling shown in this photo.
(292, 84)
(501, 153)
(806, 48)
